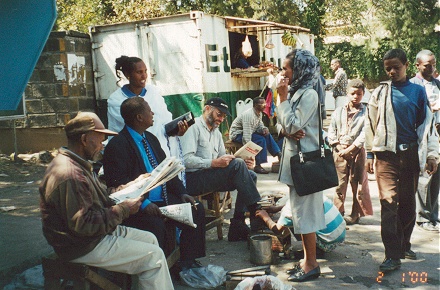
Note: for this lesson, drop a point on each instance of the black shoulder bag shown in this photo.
(313, 171)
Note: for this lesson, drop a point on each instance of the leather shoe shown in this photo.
(349, 220)
(390, 265)
(411, 255)
(190, 264)
(260, 170)
(238, 230)
(295, 269)
(301, 276)
(257, 224)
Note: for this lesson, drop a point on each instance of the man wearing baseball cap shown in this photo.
(209, 168)
(82, 224)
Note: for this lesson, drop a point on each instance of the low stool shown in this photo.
(231, 146)
(57, 274)
(217, 206)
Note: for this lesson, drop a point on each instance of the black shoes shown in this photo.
(390, 265)
(301, 276)
(238, 230)
(260, 170)
(257, 224)
(189, 264)
(295, 269)
(411, 255)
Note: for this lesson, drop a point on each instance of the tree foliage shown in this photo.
(408, 24)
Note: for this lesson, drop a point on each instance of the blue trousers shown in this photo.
(268, 144)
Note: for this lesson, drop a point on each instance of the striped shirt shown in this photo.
(247, 123)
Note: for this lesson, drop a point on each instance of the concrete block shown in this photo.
(33, 106)
(56, 105)
(42, 120)
(86, 104)
(40, 91)
(35, 77)
(61, 90)
(52, 44)
(63, 119)
(74, 104)
(47, 75)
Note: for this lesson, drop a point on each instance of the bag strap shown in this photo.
(321, 140)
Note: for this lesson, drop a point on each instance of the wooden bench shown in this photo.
(57, 273)
(217, 207)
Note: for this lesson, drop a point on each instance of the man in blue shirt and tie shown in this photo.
(136, 151)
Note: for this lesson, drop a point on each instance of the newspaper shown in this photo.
(250, 149)
(179, 212)
(164, 172)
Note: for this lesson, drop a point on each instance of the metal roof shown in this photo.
(246, 23)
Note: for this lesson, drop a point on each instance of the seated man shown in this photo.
(135, 151)
(249, 127)
(82, 224)
(208, 168)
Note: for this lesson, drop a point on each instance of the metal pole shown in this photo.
(15, 143)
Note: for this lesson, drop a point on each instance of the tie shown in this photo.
(153, 163)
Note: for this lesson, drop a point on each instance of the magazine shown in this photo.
(250, 149)
(164, 172)
(179, 212)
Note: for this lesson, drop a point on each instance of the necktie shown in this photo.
(153, 163)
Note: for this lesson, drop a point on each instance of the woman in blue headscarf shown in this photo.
(298, 115)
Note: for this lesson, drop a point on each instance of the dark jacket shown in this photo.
(123, 162)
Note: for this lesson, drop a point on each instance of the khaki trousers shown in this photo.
(131, 251)
(353, 171)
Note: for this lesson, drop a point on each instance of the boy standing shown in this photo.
(346, 136)
(427, 201)
(399, 122)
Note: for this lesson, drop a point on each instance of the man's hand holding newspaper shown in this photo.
(165, 171)
(248, 150)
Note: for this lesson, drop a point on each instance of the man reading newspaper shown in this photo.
(135, 151)
(209, 168)
(249, 127)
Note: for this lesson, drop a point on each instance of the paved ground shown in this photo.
(353, 265)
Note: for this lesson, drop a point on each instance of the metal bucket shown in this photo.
(261, 249)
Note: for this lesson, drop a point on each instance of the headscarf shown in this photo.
(306, 69)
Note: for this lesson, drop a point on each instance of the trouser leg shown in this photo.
(260, 140)
(272, 146)
(391, 230)
(152, 224)
(341, 190)
(235, 176)
(409, 176)
(131, 251)
(434, 190)
(192, 240)
(361, 189)
(396, 176)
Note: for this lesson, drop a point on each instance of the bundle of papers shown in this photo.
(250, 149)
(164, 172)
(179, 212)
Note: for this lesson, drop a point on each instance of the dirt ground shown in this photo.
(352, 265)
